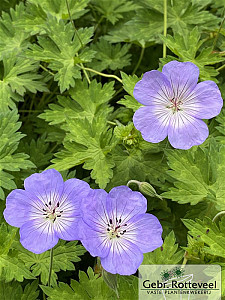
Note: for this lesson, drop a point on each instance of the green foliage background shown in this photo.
(58, 111)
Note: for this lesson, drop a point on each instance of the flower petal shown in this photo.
(20, 205)
(67, 225)
(38, 235)
(153, 88)
(73, 193)
(94, 210)
(153, 123)
(67, 228)
(205, 101)
(94, 240)
(124, 258)
(47, 186)
(145, 231)
(183, 77)
(186, 131)
(123, 203)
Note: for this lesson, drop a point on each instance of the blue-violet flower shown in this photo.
(175, 104)
(47, 210)
(117, 228)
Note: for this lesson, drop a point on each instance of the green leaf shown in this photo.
(129, 82)
(12, 38)
(210, 234)
(87, 102)
(58, 8)
(168, 254)
(14, 291)
(110, 56)
(64, 255)
(59, 49)
(184, 14)
(9, 160)
(91, 144)
(197, 175)
(135, 164)
(11, 267)
(19, 76)
(114, 10)
(38, 150)
(91, 286)
(147, 24)
(187, 46)
(88, 137)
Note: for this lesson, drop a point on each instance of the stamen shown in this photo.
(58, 204)
(59, 216)
(110, 221)
(44, 209)
(50, 203)
(61, 211)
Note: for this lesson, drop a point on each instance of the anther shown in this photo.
(50, 203)
(58, 204)
(110, 221)
(44, 209)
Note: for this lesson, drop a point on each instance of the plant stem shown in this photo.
(82, 45)
(133, 181)
(220, 68)
(71, 21)
(165, 27)
(185, 260)
(217, 35)
(139, 61)
(217, 215)
(46, 70)
(99, 73)
(50, 267)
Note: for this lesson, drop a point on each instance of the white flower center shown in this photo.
(115, 230)
(52, 212)
(175, 104)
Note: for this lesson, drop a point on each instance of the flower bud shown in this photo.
(147, 189)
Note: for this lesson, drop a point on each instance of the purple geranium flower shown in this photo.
(117, 229)
(175, 104)
(47, 210)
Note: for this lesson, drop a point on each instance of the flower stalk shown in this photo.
(50, 267)
(165, 27)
